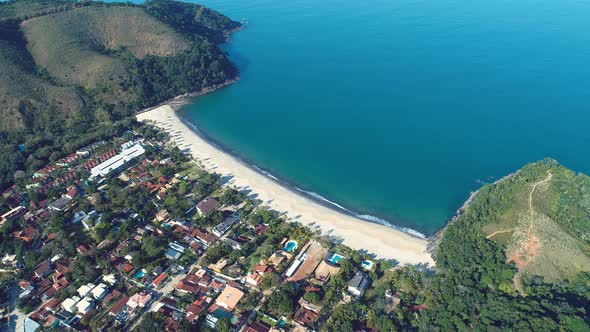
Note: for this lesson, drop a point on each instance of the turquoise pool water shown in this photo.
(335, 258)
(290, 246)
(139, 274)
(368, 265)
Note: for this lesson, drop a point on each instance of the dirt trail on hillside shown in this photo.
(530, 247)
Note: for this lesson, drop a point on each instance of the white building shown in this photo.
(115, 163)
(99, 291)
(69, 304)
(85, 290)
(84, 305)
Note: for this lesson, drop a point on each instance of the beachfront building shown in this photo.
(115, 163)
(207, 205)
(225, 225)
(358, 284)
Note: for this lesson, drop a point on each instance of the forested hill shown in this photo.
(67, 68)
(519, 257)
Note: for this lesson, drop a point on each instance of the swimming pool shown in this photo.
(139, 274)
(335, 258)
(290, 246)
(367, 264)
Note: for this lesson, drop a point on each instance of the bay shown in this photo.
(398, 109)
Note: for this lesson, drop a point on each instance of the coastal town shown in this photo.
(133, 234)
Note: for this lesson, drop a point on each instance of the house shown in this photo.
(260, 229)
(229, 298)
(207, 205)
(358, 284)
(10, 260)
(158, 281)
(172, 254)
(162, 215)
(84, 305)
(69, 304)
(325, 271)
(194, 309)
(84, 249)
(304, 316)
(110, 279)
(118, 306)
(204, 237)
(257, 327)
(260, 270)
(60, 204)
(42, 269)
(13, 214)
(139, 300)
(278, 257)
(72, 192)
(220, 265)
(112, 296)
(99, 291)
(84, 290)
(30, 325)
(309, 305)
(225, 225)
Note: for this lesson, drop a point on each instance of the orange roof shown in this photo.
(229, 298)
(159, 279)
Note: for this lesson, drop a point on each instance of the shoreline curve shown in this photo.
(361, 234)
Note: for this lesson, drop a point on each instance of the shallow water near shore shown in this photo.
(398, 109)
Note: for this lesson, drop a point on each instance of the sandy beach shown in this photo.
(382, 241)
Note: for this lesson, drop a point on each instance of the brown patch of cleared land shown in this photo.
(535, 243)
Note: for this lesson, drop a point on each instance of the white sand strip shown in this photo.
(382, 241)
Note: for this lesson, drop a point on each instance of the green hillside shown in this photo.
(519, 257)
(25, 95)
(73, 45)
(68, 65)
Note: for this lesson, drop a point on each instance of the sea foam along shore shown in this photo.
(382, 241)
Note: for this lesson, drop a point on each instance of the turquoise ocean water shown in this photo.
(399, 108)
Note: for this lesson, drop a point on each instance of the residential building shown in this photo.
(225, 225)
(207, 205)
(140, 299)
(358, 284)
(229, 298)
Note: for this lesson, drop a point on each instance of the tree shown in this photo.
(153, 246)
(312, 297)
(224, 325)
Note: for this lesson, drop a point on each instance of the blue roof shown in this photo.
(31, 325)
(173, 254)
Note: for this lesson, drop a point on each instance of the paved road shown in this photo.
(17, 318)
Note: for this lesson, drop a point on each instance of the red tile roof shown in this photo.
(117, 307)
(159, 279)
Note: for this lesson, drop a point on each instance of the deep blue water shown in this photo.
(400, 108)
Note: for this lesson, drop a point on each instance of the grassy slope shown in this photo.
(549, 236)
(24, 9)
(72, 44)
(23, 92)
